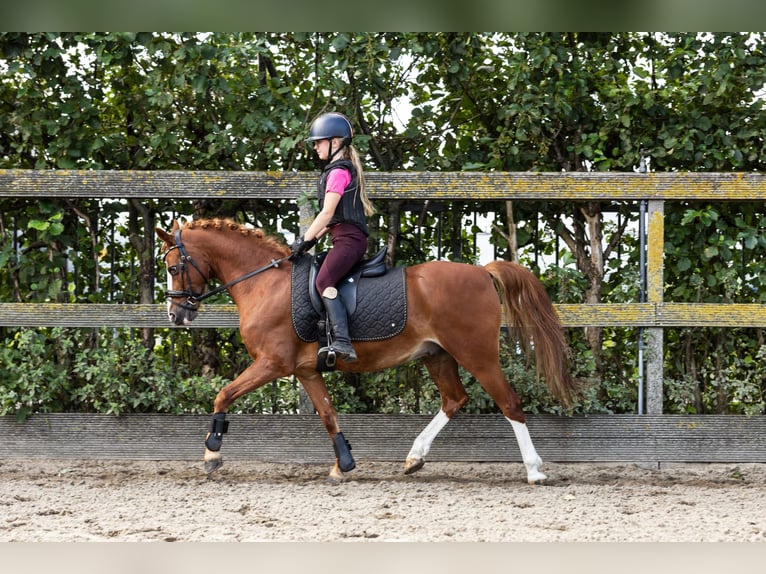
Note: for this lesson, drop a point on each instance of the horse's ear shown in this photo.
(164, 235)
(168, 237)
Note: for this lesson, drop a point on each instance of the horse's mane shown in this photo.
(227, 224)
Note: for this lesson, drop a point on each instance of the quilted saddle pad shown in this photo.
(381, 309)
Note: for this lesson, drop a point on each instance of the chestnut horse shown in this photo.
(453, 319)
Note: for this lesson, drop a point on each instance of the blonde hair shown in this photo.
(350, 153)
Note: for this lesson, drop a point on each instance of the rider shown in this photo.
(343, 209)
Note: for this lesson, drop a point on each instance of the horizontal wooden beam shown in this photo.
(408, 185)
(381, 437)
(109, 315)
(663, 315)
(226, 316)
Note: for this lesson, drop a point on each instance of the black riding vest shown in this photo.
(350, 209)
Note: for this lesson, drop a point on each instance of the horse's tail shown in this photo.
(533, 321)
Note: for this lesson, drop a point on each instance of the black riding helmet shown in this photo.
(331, 125)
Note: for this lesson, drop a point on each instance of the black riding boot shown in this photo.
(338, 317)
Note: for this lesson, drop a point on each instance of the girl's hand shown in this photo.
(300, 246)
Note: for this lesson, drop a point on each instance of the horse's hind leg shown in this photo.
(444, 372)
(493, 380)
(532, 460)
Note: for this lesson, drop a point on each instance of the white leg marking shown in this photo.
(532, 460)
(423, 442)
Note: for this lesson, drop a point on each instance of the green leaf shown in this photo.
(38, 224)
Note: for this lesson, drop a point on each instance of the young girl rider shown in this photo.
(343, 211)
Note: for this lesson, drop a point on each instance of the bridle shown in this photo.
(183, 268)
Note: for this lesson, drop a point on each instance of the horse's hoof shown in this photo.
(336, 475)
(213, 464)
(538, 477)
(413, 465)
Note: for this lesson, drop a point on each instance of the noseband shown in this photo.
(194, 299)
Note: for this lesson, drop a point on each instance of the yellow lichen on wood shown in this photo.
(655, 254)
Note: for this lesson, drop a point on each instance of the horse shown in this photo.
(454, 318)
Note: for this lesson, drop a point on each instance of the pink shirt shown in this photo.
(337, 180)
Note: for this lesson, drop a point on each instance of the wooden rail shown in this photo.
(226, 316)
(652, 439)
(655, 188)
(567, 186)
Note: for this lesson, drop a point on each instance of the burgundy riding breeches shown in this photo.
(349, 245)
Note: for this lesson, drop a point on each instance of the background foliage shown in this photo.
(419, 101)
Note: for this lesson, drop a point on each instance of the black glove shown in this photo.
(300, 246)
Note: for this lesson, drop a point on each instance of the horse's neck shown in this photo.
(231, 262)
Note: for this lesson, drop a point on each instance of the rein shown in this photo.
(194, 299)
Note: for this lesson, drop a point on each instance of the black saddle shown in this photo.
(347, 288)
(374, 295)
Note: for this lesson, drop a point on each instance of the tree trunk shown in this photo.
(142, 240)
(394, 209)
(513, 243)
(510, 235)
(457, 231)
(585, 242)
(593, 267)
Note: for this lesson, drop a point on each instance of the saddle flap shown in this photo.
(372, 267)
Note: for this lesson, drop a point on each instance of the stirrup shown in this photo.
(327, 356)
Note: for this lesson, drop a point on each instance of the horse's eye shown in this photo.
(173, 269)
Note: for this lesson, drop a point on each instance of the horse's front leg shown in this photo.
(316, 389)
(256, 375)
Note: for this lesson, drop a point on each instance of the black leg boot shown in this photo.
(341, 342)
